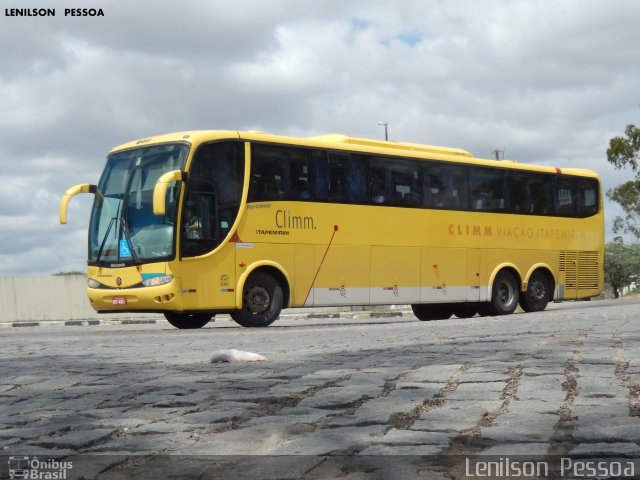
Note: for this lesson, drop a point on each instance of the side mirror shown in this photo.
(160, 190)
(73, 191)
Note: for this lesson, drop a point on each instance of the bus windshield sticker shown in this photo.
(125, 250)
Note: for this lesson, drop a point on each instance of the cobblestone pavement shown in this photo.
(561, 382)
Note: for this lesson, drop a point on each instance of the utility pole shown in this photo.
(386, 130)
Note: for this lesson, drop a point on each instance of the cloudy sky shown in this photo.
(549, 81)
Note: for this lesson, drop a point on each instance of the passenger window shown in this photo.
(587, 197)
(339, 177)
(380, 192)
(517, 185)
(403, 176)
(267, 173)
(300, 179)
(445, 186)
(394, 181)
(279, 173)
(565, 200)
(540, 194)
(487, 189)
(337, 166)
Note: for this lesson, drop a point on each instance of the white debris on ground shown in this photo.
(235, 356)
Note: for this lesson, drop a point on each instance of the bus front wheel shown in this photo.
(183, 320)
(261, 301)
(536, 298)
(432, 311)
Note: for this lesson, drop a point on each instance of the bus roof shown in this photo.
(409, 147)
(344, 142)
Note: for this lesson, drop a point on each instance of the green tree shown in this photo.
(621, 264)
(624, 152)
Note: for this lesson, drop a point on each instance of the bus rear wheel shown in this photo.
(537, 296)
(261, 301)
(433, 311)
(505, 294)
(183, 320)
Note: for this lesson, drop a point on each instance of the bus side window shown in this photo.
(338, 164)
(356, 179)
(320, 175)
(434, 181)
(394, 181)
(379, 192)
(328, 174)
(339, 177)
(487, 189)
(456, 187)
(517, 186)
(295, 174)
(267, 173)
(565, 198)
(300, 180)
(539, 194)
(404, 179)
(587, 197)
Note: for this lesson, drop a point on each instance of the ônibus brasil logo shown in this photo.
(23, 467)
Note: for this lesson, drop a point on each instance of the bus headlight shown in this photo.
(156, 281)
(91, 283)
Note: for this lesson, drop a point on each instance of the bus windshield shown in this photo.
(123, 228)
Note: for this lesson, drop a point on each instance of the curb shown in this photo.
(74, 323)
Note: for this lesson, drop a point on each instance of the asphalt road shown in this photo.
(348, 398)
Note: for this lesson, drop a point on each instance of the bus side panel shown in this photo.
(343, 276)
(265, 255)
(444, 275)
(209, 282)
(474, 267)
(395, 275)
(303, 276)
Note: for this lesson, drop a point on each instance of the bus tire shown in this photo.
(504, 294)
(432, 311)
(184, 320)
(261, 301)
(537, 296)
(465, 310)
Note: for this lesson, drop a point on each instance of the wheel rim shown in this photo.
(538, 291)
(505, 294)
(258, 300)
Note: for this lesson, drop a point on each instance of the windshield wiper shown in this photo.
(127, 235)
(104, 240)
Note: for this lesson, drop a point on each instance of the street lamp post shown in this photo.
(386, 130)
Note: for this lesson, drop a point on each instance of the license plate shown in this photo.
(119, 300)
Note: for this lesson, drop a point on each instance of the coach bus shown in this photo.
(198, 223)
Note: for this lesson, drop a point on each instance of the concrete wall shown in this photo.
(64, 297)
(44, 298)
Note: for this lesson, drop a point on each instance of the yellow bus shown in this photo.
(197, 223)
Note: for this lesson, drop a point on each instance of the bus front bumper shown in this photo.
(152, 299)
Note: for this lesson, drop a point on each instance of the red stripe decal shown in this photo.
(335, 229)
